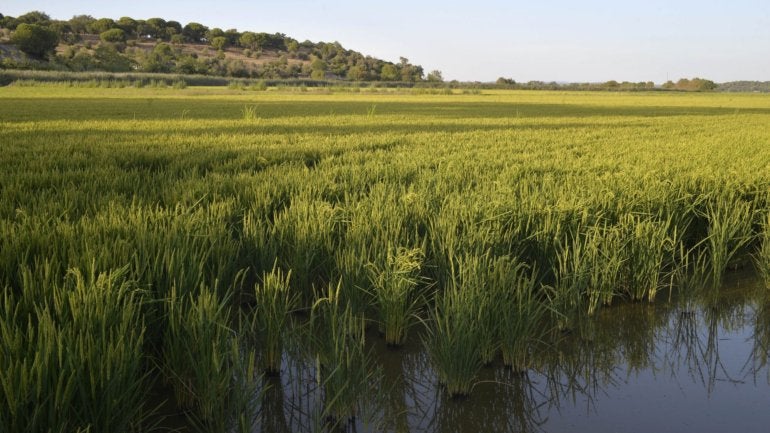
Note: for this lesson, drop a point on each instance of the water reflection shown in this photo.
(634, 367)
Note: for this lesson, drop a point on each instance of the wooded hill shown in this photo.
(85, 43)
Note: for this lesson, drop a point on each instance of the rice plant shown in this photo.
(524, 313)
(648, 245)
(571, 281)
(212, 375)
(274, 302)
(762, 256)
(730, 230)
(453, 338)
(395, 293)
(77, 363)
(630, 203)
(343, 364)
(249, 112)
(605, 249)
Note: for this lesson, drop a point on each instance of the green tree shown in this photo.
(356, 73)
(248, 40)
(128, 25)
(156, 28)
(35, 40)
(161, 59)
(173, 28)
(435, 76)
(113, 35)
(101, 25)
(389, 72)
(34, 17)
(107, 58)
(7, 22)
(194, 32)
(232, 36)
(318, 68)
(214, 33)
(219, 42)
(80, 23)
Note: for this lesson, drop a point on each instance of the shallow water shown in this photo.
(669, 367)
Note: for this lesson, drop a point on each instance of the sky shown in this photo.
(481, 40)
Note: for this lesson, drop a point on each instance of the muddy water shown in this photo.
(699, 366)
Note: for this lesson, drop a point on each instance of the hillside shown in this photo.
(84, 43)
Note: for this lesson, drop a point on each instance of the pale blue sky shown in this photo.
(588, 40)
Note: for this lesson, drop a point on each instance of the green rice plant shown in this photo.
(605, 249)
(344, 367)
(395, 296)
(306, 233)
(453, 339)
(250, 113)
(478, 276)
(351, 262)
(762, 256)
(648, 244)
(213, 378)
(572, 272)
(274, 303)
(77, 363)
(730, 220)
(523, 313)
(691, 275)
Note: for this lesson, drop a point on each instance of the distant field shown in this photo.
(409, 205)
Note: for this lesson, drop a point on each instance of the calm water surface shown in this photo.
(669, 367)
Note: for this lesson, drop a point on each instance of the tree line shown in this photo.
(684, 84)
(122, 46)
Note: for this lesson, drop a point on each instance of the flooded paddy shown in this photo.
(670, 366)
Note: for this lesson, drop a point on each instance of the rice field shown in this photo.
(180, 257)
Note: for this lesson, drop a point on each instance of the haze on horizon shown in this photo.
(557, 40)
